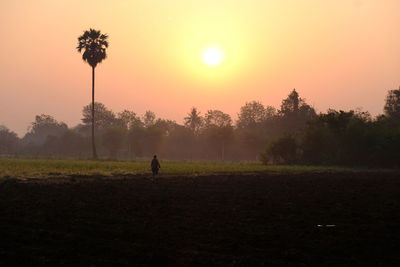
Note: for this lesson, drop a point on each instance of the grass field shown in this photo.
(48, 168)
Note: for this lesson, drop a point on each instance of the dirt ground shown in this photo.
(305, 219)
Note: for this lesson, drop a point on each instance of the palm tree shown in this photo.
(94, 45)
(193, 121)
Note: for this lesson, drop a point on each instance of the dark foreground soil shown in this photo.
(216, 220)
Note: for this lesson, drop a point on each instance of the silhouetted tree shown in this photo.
(105, 118)
(193, 123)
(319, 142)
(338, 137)
(156, 134)
(180, 143)
(252, 131)
(42, 127)
(149, 118)
(392, 105)
(71, 143)
(217, 118)
(193, 120)
(254, 113)
(128, 119)
(295, 113)
(8, 141)
(218, 130)
(113, 139)
(291, 104)
(93, 44)
(281, 151)
(136, 136)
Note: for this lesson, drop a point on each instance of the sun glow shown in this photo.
(214, 51)
(213, 56)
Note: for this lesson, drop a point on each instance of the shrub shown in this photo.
(281, 151)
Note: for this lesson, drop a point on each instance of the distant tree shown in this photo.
(337, 137)
(113, 139)
(392, 105)
(193, 124)
(128, 119)
(93, 44)
(8, 141)
(166, 125)
(156, 134)
(337, 121)
(295, 112)
(149, 118)
(71, 143)
(270, 112)
(254, 113)
(319, 143)
(105, 118)
(281, 151)
(135, 140)
(180, 143)
(217, 118)
(291, 104)
(50, 146)
(42, 127)
(193, 120)
(218, 130)
(252, 129)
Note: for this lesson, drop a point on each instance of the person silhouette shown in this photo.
(155, 165)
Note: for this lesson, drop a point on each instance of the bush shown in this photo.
(281, 151)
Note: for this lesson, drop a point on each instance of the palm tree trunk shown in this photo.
(93, 142)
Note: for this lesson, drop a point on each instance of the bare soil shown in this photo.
(264, 219)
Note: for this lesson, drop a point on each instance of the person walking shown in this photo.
(155, 165)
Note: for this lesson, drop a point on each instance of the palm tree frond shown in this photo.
(93, 44)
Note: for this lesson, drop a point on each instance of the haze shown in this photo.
(338, 54)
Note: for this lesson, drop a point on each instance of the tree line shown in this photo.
(292, 134)
(352, 138)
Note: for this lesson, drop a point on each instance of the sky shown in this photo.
(341, 54)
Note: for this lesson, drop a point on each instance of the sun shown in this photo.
(212, 56)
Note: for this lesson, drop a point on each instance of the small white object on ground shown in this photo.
(326, 225)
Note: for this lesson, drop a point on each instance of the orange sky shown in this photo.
(341, 54)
